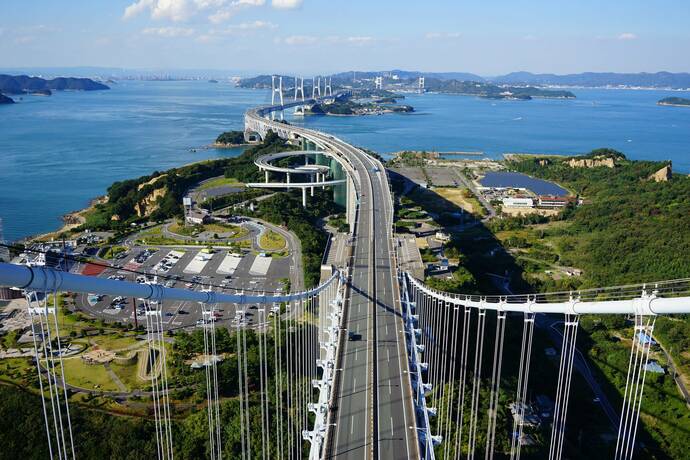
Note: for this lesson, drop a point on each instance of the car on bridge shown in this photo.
(353, 336)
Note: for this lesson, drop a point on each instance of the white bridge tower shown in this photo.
(327, 90)
(378, 82)
(277, 89)
(315, 87)
(420, 84)
(299, 92)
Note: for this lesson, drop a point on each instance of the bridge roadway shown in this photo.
(374, 414)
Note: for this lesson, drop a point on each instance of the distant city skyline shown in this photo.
(312, 36)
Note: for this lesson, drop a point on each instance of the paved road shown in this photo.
(374, 404)
(468, 183)
(373, 409)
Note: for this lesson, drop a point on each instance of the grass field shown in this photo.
(87, 376)
(115, 342)
(272, 241)
(220, 182)
(463, 198)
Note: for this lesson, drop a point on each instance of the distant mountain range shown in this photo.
(594, 79)
(586, 79)
(23, 84)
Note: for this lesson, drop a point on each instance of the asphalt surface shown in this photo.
(178, 314)
(375, 416)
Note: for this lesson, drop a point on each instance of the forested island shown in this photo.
(367, 84)
(491, 91)
(675, 101)
(230, 139)
(345, 106)
(6, 100)
(24, 84)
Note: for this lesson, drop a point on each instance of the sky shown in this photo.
(323, 36)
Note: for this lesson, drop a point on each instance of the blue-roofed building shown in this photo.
(645, 339)
(653, 366)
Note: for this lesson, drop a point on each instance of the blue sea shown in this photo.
(59, 152)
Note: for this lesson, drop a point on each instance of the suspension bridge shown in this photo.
(372, 363)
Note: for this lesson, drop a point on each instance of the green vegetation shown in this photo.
(111, 251)
(221, 181)
(158, 196)
(674, 101)
(231, 138)
(286, 209)
(598, 237)
(491, 91)
(272, 241)
(130, 438)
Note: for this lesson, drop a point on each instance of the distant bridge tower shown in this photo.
(299, 92)
(421, 84)
(299, 88)
(277, 89)
(378, 82)
(315, 87)
(327, 90)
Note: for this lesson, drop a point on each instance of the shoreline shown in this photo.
(70, 220)
(672, 105)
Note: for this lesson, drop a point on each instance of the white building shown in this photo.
(518, 202)
(197, 218)
(442, 236)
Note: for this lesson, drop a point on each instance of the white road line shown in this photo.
(356, 354)
(391, 426)
(352, 424)
(389, 386)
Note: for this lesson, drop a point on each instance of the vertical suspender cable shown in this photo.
(467, 320)
(451, 392)
(495, 384)
(477, 381)
(523, 379)
(37, 357)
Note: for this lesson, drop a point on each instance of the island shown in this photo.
(467, 85)
(344, 105)
(230, 139)
(6, 100)
(675, 101)
(24, 84)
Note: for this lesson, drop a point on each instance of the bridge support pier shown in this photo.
(266, 175)
(288, 181)
(304, 196)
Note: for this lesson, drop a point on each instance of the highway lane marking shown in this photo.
(354, 384)
(352, 424)
(389, 386)
(391, 426)
(356, 354)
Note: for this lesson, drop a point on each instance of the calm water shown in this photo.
(519, 180)
(58, 152)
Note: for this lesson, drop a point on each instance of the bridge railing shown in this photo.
(447, 320)
(311, 331)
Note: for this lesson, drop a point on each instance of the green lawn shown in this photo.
(220, 182)
(272, 241)
(89, 376)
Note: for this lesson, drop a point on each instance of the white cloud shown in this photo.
(627, 36)
(359, 40)
(441, 35)
(286, 4)
(173, 10)
(217, 11)
(168, 32)
(298, 40)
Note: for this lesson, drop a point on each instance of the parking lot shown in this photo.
(187, 268)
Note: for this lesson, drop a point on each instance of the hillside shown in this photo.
(23, 84)
(675, 101)
(599, 79)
